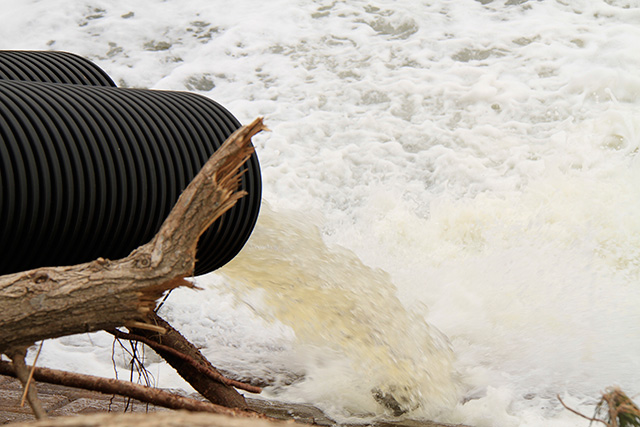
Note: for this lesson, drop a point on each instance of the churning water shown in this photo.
(341, 307)
(452, 191)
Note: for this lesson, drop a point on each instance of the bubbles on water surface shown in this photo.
(483, 153)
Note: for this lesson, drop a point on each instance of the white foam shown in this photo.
(483, 155)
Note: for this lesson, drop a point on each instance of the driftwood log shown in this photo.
(105, 294)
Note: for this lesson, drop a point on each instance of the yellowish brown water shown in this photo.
(331, 299)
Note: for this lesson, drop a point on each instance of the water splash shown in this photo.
(334, 302)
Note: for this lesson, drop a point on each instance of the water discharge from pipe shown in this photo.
(332, 300)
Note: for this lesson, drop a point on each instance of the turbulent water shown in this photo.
(451, 192)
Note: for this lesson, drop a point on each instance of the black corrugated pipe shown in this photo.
(51, 67)
(91, 171)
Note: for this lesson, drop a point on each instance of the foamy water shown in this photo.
(452, 191)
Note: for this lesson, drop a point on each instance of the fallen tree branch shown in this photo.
(214, 375)
(57, 301)
(123, 388)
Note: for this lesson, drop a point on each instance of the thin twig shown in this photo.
(579, 414)
(22, 373)
(199, 366)
(26, 387)
(164, 299)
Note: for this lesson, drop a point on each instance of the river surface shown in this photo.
(451, 192)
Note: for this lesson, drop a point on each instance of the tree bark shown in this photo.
(102, 294)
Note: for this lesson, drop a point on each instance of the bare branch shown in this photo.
(215, 391)
(580, 414)
(216, 376)
(122, 388)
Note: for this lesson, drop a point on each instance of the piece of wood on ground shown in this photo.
(123, 388)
